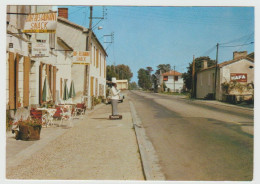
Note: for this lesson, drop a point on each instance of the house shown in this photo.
(173, 80)
(26, 71)
(122, 84)
(239, 70)
(90, 77)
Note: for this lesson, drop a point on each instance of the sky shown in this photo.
(149, 36)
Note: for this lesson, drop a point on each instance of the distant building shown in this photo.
(240, 69)
(173, 80)
(122, 84)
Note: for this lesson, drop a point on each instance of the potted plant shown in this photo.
(29, 129)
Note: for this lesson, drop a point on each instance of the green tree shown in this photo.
(187, 76)
(119, 71)
(111, 72)
(124, 72)
(163, 68)
(133, 86)
(144, 79)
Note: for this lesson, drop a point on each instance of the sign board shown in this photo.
(239, 77)
(81, 57)
(40, 49)
(41, 23)
(11, 45)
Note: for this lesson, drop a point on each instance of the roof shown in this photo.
(122, 80)
(229, 62)
(172, 73)
(65, 44)
(83, 29)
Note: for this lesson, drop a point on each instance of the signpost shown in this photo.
(41, 23)
(239, 77)
(81, 57)
(40, 49)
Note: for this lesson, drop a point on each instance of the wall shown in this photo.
(241, 66)
(205, 83)
(64, 70)
(170, 83)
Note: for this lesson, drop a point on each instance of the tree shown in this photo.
(163, 68)
(124, 72)
(111, 72)
(119, 71)
(133, 86)
(187, 76)
(144, 80)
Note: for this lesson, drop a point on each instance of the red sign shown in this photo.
(239, 77)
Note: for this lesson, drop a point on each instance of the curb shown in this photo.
(219, 103)
(149, 158)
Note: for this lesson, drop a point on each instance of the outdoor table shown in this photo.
(48, 115)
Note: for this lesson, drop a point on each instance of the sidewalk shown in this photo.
(95, 148)
(249, 107)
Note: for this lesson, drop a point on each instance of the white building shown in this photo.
(239, 69)
(26, 73)
(89, 80)
(122, 84)
(173, 81)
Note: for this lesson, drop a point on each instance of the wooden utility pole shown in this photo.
(173, 78)
(216, 71)
(193, 78)
(89, 48)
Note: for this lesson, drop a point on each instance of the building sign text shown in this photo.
(81, 57)
(41, 23)
(239, 77)
(40, 49)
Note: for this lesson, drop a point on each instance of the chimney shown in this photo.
(63, 12)
(204, 64)
(237, 54)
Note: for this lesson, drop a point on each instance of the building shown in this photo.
(89, 79)
(173, 81)
(26, 72)
(239, 69)
(122, 84)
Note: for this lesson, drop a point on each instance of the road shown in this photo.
(197, 141)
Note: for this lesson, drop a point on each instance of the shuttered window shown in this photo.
(26, 74)
(97, 53)
(54, 84)
(60, 87)
(11, 81)
(105, 68)
(16, 96)
(92, 86)
(40, 83)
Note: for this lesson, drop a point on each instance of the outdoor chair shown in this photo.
(65, 115)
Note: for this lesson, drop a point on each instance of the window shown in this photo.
(175, 78)
(165, 78)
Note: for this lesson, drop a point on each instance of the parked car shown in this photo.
(121, 98)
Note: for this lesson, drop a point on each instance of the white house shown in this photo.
(89, 79)
(122, 84)
(173, 80)
(25, 71)
(239, 69)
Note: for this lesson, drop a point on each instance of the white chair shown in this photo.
(65, 114)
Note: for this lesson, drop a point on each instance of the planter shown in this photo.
(29, 132)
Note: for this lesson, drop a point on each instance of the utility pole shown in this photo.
(216, 70)
(89, 48)
(173, 78)
(193, 78)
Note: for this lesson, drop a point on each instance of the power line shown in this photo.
(238, 45)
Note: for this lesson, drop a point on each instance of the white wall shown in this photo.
(170, 83)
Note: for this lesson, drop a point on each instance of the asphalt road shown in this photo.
(197, 141)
